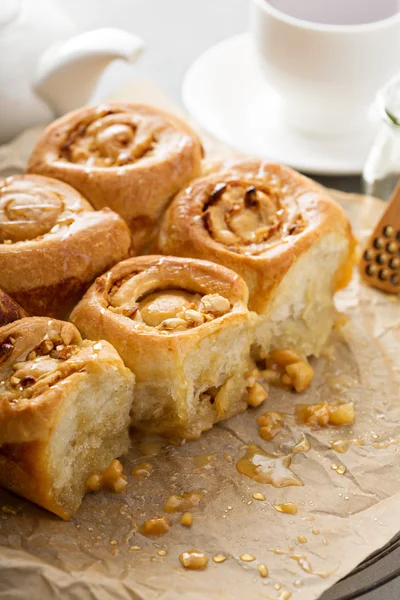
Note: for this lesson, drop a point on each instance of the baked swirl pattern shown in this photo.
(29, 210)
(182, 327)
(249, 217)
(53, 244)
(110, 139)
(129, 157)
(281, 232)
(168, 310)
(64, 411)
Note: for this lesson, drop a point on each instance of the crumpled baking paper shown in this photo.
(341, 518)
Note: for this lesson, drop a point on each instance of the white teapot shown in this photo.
(46, 67)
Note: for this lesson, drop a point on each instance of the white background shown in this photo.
(175, 33)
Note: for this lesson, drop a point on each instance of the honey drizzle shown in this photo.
(268, 468)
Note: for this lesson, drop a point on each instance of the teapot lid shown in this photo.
(9, 11)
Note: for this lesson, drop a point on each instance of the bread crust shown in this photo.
(53, 243)
(160, 154)
(9, 310)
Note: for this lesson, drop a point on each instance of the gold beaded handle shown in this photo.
(380, 262)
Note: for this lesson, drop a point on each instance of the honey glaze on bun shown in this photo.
(250, 218)
(53, 243)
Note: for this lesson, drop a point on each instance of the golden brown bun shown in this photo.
(64, 411)
(280, 232)
(53, 244)
(181, 326)
(9, 310)
(261, 255)
(130, 157)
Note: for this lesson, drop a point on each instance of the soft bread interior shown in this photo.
(219, 379)
(184, 405)
(92, 430)
(301, 312)
(91, 421)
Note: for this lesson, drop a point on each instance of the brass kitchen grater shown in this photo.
(380, 262)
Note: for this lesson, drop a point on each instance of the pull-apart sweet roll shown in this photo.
(130, 157)
(64, 411)
(181, 326)
(53, 243)
(282, 233)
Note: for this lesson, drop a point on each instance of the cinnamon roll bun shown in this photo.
(281, 232)
(130, 157)
(181, 326)
(53, 243)
(9, 310)
(64, 411)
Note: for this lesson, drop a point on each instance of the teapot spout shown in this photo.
(67, 74)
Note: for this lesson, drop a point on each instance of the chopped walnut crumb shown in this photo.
(155, 526)
(62, 352)
(192, 316)
(112, 478)
(130, 311)
(270, 423)
(321, 415)
(215, 304)
(287, 367)
(193, 559)
(283, 357)
(256, 395)
(301, 375)
(173, 324)
(187, 519)
(44, 347)
(343, 414)
(183, 502)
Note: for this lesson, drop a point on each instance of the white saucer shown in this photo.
(226, 94)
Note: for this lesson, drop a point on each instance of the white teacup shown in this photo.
(327, 58)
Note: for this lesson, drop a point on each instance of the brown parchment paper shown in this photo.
(341, 519)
